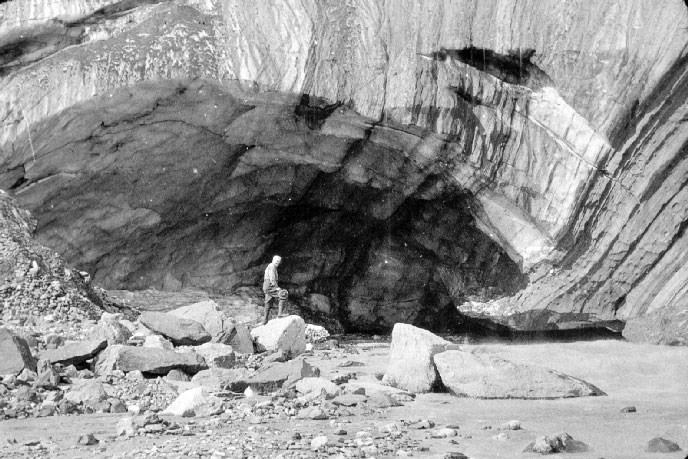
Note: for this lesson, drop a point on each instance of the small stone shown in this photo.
(628, 409)
(87, 440)
(444, 433)
(500, 437)
(454, 455)
(319, 442)
(125, 427)
(661, 445)
(511, 425)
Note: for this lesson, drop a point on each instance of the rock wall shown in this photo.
(521, 160)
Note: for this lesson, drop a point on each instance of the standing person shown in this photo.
(272, 290)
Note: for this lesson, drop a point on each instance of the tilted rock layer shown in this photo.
(524, 161)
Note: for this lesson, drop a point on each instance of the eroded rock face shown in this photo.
(523, 161)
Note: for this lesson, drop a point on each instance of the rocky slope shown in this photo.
(521, 160)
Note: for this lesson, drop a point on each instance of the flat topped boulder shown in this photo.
(178, 330)
(148, 360)
(410, 358)
(75, 353)
(277, 375)
(287, 334)
(15, 353)
(474, 375)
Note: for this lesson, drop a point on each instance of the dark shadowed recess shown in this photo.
(515, 67)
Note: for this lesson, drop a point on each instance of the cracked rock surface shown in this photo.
(522, 162)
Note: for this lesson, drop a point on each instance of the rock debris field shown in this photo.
(192, 382)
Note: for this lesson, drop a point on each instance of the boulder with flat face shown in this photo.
(216, 354)
(287, 334)
(237, 336)
(75, 353)
(15, 353)
(148, 360)
(410, 358)
(470, 374)
(182, 332)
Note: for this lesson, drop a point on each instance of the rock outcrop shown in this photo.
(521, 161)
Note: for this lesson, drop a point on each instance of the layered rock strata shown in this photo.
(520, 160)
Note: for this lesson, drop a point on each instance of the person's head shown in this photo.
(276, 260)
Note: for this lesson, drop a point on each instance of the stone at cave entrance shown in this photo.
(469, 374)
(221, 378)
(237, 336)
(110, 329)
(186, 404)
(182, 332)
(287, 334)
(278, 375)
(216, 354)
(86, 391)
(147, 360)
(15, 353)
(74, 353)
(208, 314)
(411, 358)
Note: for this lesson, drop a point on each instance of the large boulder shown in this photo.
(208, 314)
(15, 353)
(410, 358)
(75, 353)
(287, 334)
(180, 331)
(148, 360)
(469, 374)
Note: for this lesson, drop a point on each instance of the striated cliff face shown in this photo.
(522, 161)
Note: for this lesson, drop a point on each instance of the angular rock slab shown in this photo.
(487, 376)
(311, 384)
(15, 354)
(277, 375)
(208, 314)
(287, 334)
(237, 336)
(410, 358)
(221, 378)
(86, 391)
(75, 353)
(182, 332)
(216, 354)
(148, 360)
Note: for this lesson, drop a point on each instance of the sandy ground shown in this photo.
(653, 379)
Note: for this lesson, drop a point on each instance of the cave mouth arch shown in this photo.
(189, 184)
